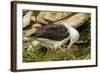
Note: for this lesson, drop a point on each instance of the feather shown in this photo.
(52, 32)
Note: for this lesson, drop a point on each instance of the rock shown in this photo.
(40, 18)
(36, 25)
(33, 18)
(32, 29)
(45, 17)
(29, 31)
(27, 45)
(55, 16)
(66, 14)
(35, 43)
(76, 20)
(26, 18)
(52, 16)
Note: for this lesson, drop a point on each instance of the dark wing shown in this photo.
(52, 32)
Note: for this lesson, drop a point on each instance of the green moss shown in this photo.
(36, 12)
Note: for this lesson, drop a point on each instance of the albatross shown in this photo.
(57, 34)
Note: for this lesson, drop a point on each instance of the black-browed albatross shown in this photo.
(57, 34)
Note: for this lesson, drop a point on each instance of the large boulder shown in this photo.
(26, 18)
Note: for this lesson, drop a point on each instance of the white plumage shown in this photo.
(74, 34)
